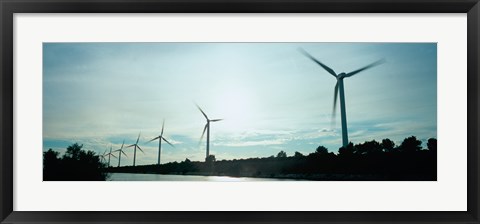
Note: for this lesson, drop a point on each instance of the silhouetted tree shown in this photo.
(298, 155)
(76, 164)
(187, 165)
(411, 144)
(388, 145)
(73, 151)
(282, 154)
(321, 150)
(432, 144)
(50, 158)
(368, 147)
(50, 164)
(346, 151)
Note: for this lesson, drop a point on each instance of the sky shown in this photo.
(270, 95)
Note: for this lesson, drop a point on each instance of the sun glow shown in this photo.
(235, 106)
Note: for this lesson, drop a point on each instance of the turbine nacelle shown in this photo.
(341, 76)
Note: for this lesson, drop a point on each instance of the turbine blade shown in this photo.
(334, 109)
(154, 139)
(122, 144)
(203, 133)
(216, 120)
(140, 149)
(328, 69)
(124, 154)
(163, 125)
(202, 111)
(113, 155)
(130, 146)
(379, 62)
(168, 142)
(138, 138)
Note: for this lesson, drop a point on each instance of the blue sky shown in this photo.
(271, 96)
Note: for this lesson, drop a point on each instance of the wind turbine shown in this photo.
(207, 128)
(120, 152)
(339, 88)
(102, 156)
(110, 154)
(160, 138)
(135, 149)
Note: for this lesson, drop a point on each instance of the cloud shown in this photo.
(253, 143)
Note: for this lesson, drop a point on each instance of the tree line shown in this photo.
(370, 160)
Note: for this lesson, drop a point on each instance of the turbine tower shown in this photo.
(120, 152)
(207, 128)
(160, 138)
(340, 88)
(135, 149)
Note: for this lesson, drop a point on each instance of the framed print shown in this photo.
(246, 112)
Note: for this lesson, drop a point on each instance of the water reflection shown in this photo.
(164, 177)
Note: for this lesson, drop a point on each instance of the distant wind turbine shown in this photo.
(110, 154)
(102, 157)
(339, 88)
(120, 152)
(160, 138)
(207, 128)
(135, 149)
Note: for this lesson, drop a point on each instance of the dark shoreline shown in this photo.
(369, 161)
(377, 166)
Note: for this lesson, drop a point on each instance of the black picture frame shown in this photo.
(10, 7)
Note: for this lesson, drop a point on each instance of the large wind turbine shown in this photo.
(135, 149)
(339, 88)
(120, 152)
(207, 128)
(160, 138)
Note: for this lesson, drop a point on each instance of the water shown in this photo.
(165, 177)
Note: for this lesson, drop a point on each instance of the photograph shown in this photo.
(239, 111)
